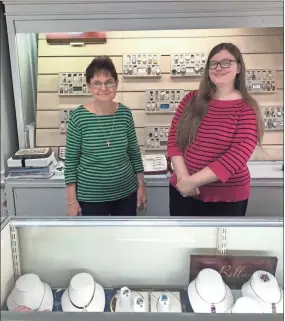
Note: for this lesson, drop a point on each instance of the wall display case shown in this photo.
(187, 64)
(261, 80)
(136, 65)
(63, 119)
(52, 253)
(42, 17)
(72, 84)
(162, 100)
(156, 137)
(273, 118)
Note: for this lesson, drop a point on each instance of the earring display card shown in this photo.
(155, 164)
(139, 302)
(162, 100)
(187, 64)
(273, 118)
(141, 65)
(261, 80)
(61, 152)
(174, 298)
(148, 300)
(156, 137)
(63, 120)
(33, 153)
(72, 84)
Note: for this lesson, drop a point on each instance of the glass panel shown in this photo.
(137, 256)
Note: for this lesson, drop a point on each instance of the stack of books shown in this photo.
(32, 163)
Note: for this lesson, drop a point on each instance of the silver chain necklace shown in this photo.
(213, 304)
(273, 304)
(108, 142)
(87, 305)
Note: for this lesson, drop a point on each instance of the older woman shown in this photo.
(103, 164)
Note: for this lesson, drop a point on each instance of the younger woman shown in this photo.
(212, 136)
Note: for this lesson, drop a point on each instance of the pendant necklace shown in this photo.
(213, 305)
(87, 305)
(108, 142)
(273, 304)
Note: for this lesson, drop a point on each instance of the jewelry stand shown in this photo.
(246, 305)
(209, 294)
(83, 295)
(31, 294)
(263, 288)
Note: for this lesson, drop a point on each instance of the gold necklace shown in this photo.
(108, 142)
(213, 307)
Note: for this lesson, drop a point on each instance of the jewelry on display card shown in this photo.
(235, 270)
(178, 298)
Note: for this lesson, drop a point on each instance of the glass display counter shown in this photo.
(150, 261)
(266, 196)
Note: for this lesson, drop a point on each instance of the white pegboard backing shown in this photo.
(187, 64)
(261, 80)
(137, 65)
(72, 84)
(63, 119)
(162, 100)
(256, 241)
(221, 241)
(273, 118)
(156, 137)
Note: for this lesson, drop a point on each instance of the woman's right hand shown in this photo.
(74, 209)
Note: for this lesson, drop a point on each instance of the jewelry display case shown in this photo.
(151, 261)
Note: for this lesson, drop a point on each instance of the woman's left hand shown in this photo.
(141, 197)
(186, 187)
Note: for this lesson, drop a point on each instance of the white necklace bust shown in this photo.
(263, 288)
(30, 293)
(83, 295)
(209, 294)
(246, 305)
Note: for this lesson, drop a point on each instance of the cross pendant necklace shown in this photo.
(107, 139)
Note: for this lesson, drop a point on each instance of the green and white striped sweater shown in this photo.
(101, 172)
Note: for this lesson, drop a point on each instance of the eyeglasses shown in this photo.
(224, 64)
(108, 84)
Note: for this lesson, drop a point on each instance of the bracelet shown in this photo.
(142, 183)
(72, 203)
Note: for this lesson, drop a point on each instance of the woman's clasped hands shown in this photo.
(187, 187)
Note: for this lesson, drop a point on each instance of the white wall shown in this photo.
(9, 136)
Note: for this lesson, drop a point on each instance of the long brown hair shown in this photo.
(193, 114)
